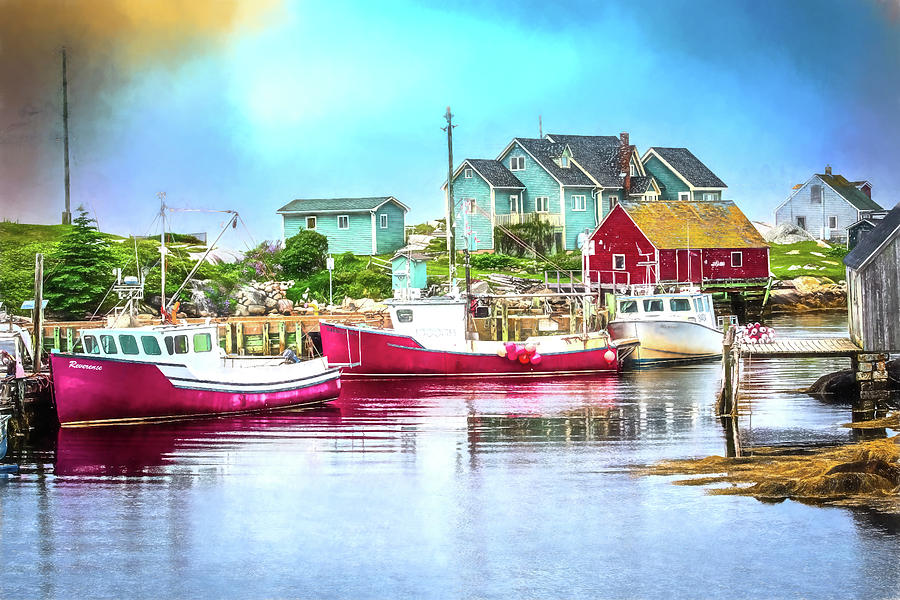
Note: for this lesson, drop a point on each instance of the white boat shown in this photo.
(673, 327)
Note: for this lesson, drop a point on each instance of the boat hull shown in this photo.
(371, 352)
(664, 341)
(89, 390)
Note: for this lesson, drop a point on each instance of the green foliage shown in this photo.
(422, 229)
(437, 245)
(80, 270)
(304, 254)
(564, 261)
(829, 265)
(492, 261)
(536, 234)
(17, 271)
(351, 278)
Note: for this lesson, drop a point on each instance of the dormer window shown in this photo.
(517, 163)
(564, 161)
(633, 170)
(467, 173)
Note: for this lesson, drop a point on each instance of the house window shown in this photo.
(618, 262)
(542, 204)
(517, 163)
(684, 195)
(343, 222)
(383, 221)
(832, 222)
(578, 203)
(310, 222)
(613, 200)
(513, 204)
(815, 194)
(467, 173)
(633, 170)
(564, 161)
(468, 205)
(709, 196)
(737, 259)
(801, 222)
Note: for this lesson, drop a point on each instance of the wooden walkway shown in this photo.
(820, 347)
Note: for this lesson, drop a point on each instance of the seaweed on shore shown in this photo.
(863, 474)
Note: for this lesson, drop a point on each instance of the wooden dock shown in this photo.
(818, 347)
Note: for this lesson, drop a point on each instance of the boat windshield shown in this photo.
(628, 306)
(655, 305)
(680, 304)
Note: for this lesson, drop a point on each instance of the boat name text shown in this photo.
(77, 365)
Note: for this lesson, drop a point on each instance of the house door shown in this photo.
(690, 267)
(514, 207)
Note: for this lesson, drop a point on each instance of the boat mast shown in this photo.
(67, 214)
(451, 241)
(162, 246)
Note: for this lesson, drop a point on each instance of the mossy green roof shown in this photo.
(681, 224)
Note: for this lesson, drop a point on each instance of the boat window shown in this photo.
(653, 305)
(698, 305)
(90, 345)
(108, 343)
(202, 342)
(150, 345)
(170, 344)
(181, 344)
(404, 315)
(128, 344)
(628, 306)
(679, 304)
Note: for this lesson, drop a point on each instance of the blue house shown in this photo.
(826, 205)
(358, 225)
(569, 182)
(681, 175)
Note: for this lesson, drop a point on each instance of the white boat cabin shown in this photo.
(437, 322)
(685, 306)
(195, 344)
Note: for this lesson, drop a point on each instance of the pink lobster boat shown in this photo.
(177, 371)
(429, 339)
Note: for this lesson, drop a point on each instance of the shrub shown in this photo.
(536, 234)
(304, 254)
(492, 261)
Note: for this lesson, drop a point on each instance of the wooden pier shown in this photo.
(870, 367)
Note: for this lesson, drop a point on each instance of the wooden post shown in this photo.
(282, 336)
(571, 317)
(517, 329)
(726, 401)
(229, 339)
(70, 344)
(492, 322)
(298, 341)
(239, 337)
(265, 341)
(504, 323)
(38, 311)
(56, 338)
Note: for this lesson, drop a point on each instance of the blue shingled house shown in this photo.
(567, 181)
(358, 225)
(681, 175)
(826, 205)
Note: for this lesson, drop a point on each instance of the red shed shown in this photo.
(676, 241)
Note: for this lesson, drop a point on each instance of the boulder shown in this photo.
(787, 233)
(256, 309)
(285, 306)
(270, 303)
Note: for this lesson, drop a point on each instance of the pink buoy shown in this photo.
(610, 356)
(511, 355)
(524, 358)
(530, 348)
(520, 350)
(510, 346)
(536, 358)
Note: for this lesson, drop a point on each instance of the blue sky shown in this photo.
(346, 99)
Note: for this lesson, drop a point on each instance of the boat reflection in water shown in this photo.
(382, 416)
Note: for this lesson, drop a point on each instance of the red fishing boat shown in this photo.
(177, 371)
(429, 338)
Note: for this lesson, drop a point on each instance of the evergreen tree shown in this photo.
(81, 269)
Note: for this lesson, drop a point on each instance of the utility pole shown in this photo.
(451, 241)
(67, 214)
(38, 320)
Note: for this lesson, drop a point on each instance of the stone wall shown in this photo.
(263, 298)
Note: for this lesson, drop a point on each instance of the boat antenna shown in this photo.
(451, 242)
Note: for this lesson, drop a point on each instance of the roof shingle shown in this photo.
(870, 242)
(495, 172)
(690, 167)
(849, 192)
(718, 224)
(336, 204)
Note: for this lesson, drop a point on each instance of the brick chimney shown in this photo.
(828, 169)
(624, 160)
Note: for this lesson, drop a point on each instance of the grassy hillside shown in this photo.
(807, 258)
(23, 233)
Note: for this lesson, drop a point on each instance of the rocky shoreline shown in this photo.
(805, 294)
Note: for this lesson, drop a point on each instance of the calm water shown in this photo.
(476, 489)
